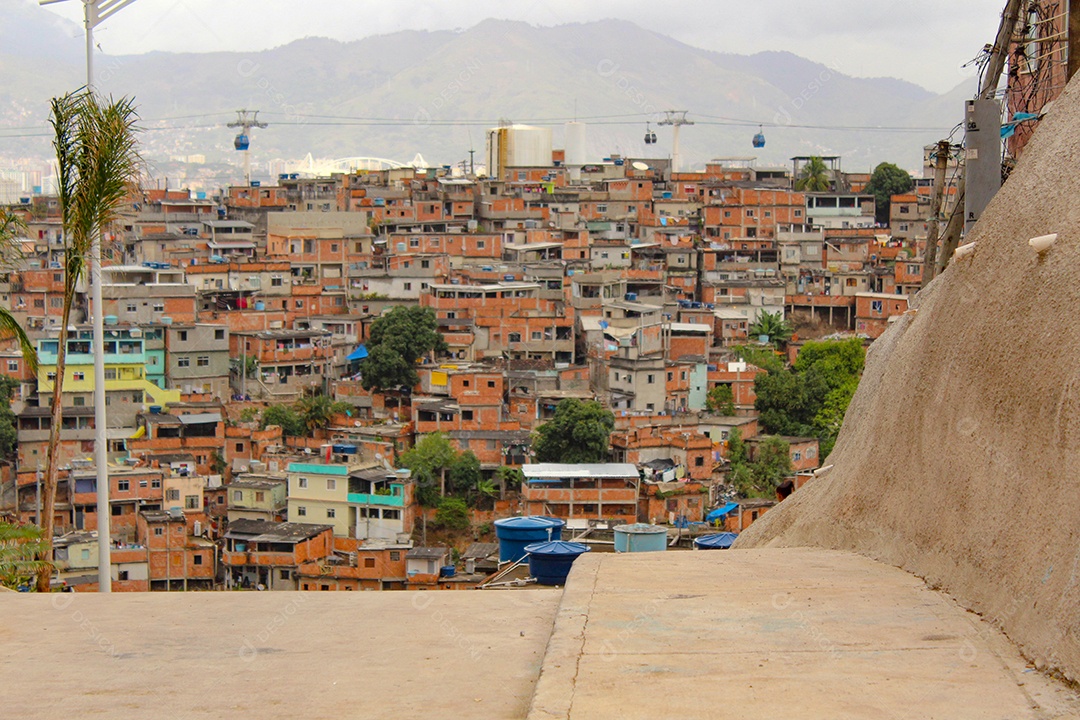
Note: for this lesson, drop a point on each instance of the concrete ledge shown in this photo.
(792, 633)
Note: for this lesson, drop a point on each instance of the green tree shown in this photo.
(765, 357)
(217, 463)
(96, 162)
(815, 176)
(811, 397)
(21, 546)
(579, 432)
(397, 340)
(721, 399)
(464, 476)
(286, 418)
(314, 412)
(774, 325)
(11, 226)
(508, 478)
(8, 433)
(772, 464)
(453, 514)
(887, 180)
(736, 448)
(429, 459)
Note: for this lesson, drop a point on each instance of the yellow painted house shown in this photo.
(125, 370)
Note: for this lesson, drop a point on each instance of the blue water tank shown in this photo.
(550, 562)
(640, 537)
(260, 305)
(517, 532)
(155, 409)
(716, 541)
(447, 571)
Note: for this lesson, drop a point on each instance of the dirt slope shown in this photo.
(959, 459)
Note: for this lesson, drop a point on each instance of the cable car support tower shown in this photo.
(246, 122)
(675, 118)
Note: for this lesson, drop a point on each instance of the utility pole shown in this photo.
(243, 140)
(95, 13)
(994, 66)
(1073, 48)
(675, 118)
(941, 160)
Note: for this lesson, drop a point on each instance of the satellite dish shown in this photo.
(378, 456)
(638, 165)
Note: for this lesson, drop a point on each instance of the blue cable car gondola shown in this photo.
(759, 138)
(241, 142)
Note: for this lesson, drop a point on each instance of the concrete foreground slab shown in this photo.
(272, 655)
(792, 633)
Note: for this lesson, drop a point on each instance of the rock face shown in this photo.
(959, 459)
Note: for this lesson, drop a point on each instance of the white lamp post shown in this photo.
(97, 12)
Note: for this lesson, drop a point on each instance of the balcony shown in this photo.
(370, 499)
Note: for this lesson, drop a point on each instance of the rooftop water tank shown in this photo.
(716, 541)
(517, 532)
(550, 562)
(640, 537)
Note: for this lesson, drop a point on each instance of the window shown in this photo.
(301, 511)
(78, 376)
(875, 306)
(749, 212)
(650, 379)
(239, 447)
(301, 482)
(78, 401)
(191, 502)
(183, 361)
(299, 304)
(13, 365)
(395, 555)
(466, 414)
(260, 496)
(285, 575)
(275, 281)
(110, 373)
(159, 307)
(123, 485)
(407, 286)
(798, 213)
(238, 496)
(601, 208)
(159, 531)
(536, 335)
(670, 376)
(514, 337)
(699, 461)
(203, 361)
(333, 247)
(196, 559)
(425, 264)
(491, 383)
(331, 513)
(121, 574)
(182, 335)
(369, 562)
(155, 483)
(331, 484)
(117, 510)
(173, 494)
(219, 334)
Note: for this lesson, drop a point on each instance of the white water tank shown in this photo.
(574, 142)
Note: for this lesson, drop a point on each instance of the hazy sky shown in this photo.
(923, 41)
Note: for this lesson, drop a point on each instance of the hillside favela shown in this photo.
(472, 361)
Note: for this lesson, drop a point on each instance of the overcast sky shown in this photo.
(923, 41)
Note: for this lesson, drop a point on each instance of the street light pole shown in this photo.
(95, 13)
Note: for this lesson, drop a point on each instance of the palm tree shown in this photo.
(97, 160)
(315, 412)
(774, 325)
(815, 176)
(19, 546)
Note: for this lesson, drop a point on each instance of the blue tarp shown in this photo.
(358, 354)
(721, 511)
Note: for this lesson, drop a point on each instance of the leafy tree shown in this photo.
(217, 463)
(774, 325)
(736, 447)
(762, 357)
(286, 418)
(509, 478)
(20, 546)
(8, 433)
(464, 475)
(343, 408)
(453, 514)
(96, 161)
(721, 399)
(772, 464)
(887, 180)
(249, 414)
(580, 432)
(810, 399)
(398, 339)
(430, 458)
(815, 176)
(314, 412)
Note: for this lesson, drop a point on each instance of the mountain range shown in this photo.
(394, 95)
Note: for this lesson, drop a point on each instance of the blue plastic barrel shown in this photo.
(550, 562)
(517, 532)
